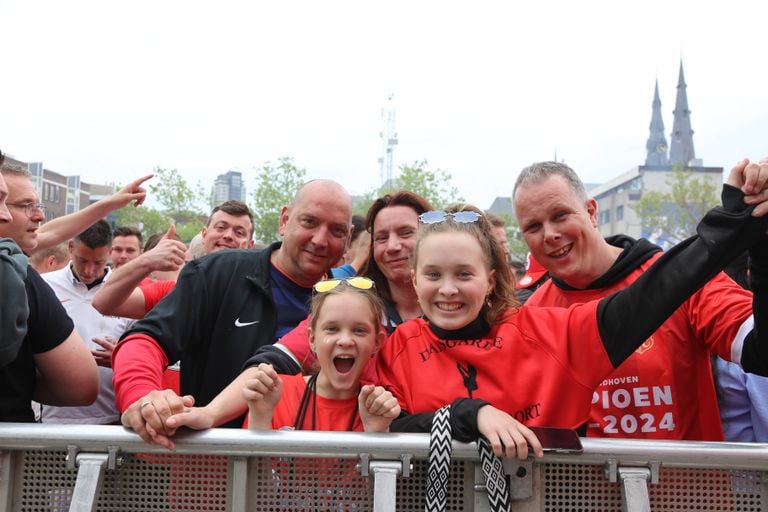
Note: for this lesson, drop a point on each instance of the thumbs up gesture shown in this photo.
(168, 255)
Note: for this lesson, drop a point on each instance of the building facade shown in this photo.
(61, 194)
(228, 186)
(616, 198)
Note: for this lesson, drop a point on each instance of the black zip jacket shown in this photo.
(220, 312)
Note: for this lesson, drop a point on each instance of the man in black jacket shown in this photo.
(224, 307)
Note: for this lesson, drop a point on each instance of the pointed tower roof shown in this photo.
(681, 147)
(656, 145)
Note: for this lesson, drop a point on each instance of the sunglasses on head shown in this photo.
(361, 283)
(436, 217)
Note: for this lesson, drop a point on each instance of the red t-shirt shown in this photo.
(154, 291)
(332, 414)
(540, 365)
(665, 389)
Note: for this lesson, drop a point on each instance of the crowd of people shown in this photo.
(347, 325)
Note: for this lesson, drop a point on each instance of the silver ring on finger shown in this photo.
(143, 404)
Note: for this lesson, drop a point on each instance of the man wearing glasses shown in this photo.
(26, 211)
(41, 365)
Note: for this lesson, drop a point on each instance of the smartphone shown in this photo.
(559, 440)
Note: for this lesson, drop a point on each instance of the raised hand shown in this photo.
(262, 393)
(168, 255)
(131, 193)
(752, 179)
(378, 408)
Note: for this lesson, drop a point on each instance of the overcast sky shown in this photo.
(109, 90)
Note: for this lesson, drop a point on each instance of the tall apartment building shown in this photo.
(229, 186)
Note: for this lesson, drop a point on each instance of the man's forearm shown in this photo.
(229, 404)
(138, 363)
(61, 229)
(120, 285)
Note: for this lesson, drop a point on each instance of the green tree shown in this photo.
(179, 200)
(276, 185)
(188, 230)
(672, 216)
(179, 204)
(517, 246)
(433, 185)
(147, 220)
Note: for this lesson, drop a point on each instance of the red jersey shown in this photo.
(664, 390)
(540, 365)
(332, 414)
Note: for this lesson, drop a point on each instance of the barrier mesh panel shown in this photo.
(410, 491)
(284, 484)
(571, 487)
(145, 482)
(42, 482)
(161, 482)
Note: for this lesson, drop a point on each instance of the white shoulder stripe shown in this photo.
(738, 342)
(287, 351)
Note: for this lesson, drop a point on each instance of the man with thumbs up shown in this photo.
(230, 226)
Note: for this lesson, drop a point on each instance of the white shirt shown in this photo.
(76, 299)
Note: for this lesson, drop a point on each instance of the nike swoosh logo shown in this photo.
(238, 323)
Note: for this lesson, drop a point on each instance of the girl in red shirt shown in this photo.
(503, 367)
(344, 335)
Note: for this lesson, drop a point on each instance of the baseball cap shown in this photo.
(533, 272)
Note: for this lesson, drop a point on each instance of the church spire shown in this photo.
(657, 142)
(681, 147)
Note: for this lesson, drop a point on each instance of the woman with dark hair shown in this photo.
(393, 220)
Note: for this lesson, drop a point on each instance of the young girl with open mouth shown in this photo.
(345, 335)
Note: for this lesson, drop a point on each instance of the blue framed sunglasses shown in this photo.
(436, 217)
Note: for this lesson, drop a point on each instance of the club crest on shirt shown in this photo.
(646, 346)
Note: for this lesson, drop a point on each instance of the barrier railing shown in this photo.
(86, 468)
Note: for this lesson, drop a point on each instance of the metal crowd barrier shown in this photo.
(50, 468)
